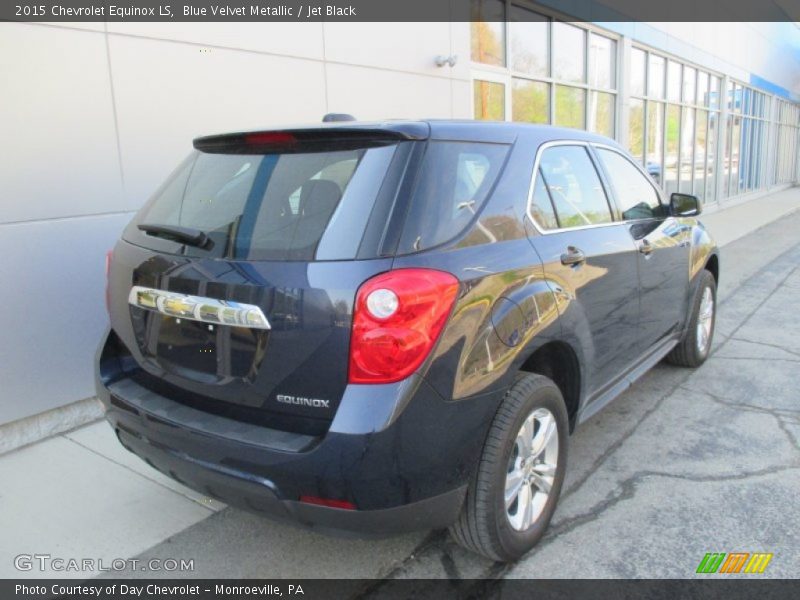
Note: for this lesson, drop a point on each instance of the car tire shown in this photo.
(695, 346)
(487, 524)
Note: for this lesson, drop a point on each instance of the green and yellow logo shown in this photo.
(735, 562)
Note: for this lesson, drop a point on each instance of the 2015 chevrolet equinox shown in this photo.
(387, 326)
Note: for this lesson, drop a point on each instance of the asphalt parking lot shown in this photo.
(686, 462)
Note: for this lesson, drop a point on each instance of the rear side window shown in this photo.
(636, 197)
(574, 185)
(296, 206)
(454, 183)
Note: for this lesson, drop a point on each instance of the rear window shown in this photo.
(454, 183)
(296, 206)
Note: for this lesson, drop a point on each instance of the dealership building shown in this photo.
(95, 115)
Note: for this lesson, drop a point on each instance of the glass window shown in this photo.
(744, 154)
(685, 172)
(702, 88)
(727, 156)
(574, 186)
(760, 167)
(736, 140)
(635, 195)
(489, 100)
(655, 141)
(689, 75)
(673, 81)
(713, 92)
(655, 77)
(637, 71)
(711, 153)
(737, 98)
(636, 128)
(570, 106)
(602, 61)
(453, 184)
(542, 206)
(601, 113)
(747, 96)
(760, 104)
(530, 101)
(569, 52)
(488, 41)
(672, 152)
(700, 153)
(529, 35)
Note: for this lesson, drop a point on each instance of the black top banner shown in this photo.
(392, 10)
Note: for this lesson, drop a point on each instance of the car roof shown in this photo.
(504, 131)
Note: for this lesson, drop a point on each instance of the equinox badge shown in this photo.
(301, 401)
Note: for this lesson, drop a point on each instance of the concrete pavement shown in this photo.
(684, 463)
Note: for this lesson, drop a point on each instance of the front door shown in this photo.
(590, 259)
(663, 243)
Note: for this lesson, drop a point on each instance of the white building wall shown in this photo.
(93, 119)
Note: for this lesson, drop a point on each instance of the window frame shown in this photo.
(712, 113)
(505, 74)
(610, 200)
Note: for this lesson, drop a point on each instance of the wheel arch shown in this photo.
(712, 266)
(558, 361)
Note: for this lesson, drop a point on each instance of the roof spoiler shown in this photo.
(323, 139)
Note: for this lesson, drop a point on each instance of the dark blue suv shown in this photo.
(378, 327)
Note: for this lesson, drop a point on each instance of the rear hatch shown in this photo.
(233, 288)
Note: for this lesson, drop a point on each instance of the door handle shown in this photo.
(573, 256)
(645, 247)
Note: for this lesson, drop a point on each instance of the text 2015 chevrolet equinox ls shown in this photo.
(381, 327)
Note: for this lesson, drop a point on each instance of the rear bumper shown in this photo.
(400, 453)
(260, 495)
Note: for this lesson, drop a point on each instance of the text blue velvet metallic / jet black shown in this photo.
(402, 453)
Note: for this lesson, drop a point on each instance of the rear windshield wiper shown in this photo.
(186, 235)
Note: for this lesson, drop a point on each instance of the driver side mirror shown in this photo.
(684, 205)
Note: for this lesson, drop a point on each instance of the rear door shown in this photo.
(663, 244)
(254, 322)
(590, 258)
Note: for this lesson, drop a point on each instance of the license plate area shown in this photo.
(197, 350)
(189, 344)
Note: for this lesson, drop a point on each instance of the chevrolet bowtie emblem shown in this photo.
(198, 308)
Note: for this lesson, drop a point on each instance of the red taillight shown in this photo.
(344, 504)
(397, 319)
(109, 257)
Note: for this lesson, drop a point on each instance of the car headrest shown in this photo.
(319, 196)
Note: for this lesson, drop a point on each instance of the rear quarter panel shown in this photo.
(506, 308)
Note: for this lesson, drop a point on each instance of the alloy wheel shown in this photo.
(705, 319)
(531, 469)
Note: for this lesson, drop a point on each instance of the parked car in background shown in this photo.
(380, 327)
(654, 170)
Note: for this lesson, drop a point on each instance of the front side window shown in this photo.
(574, 185)
(542, 209)
(636, 197)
